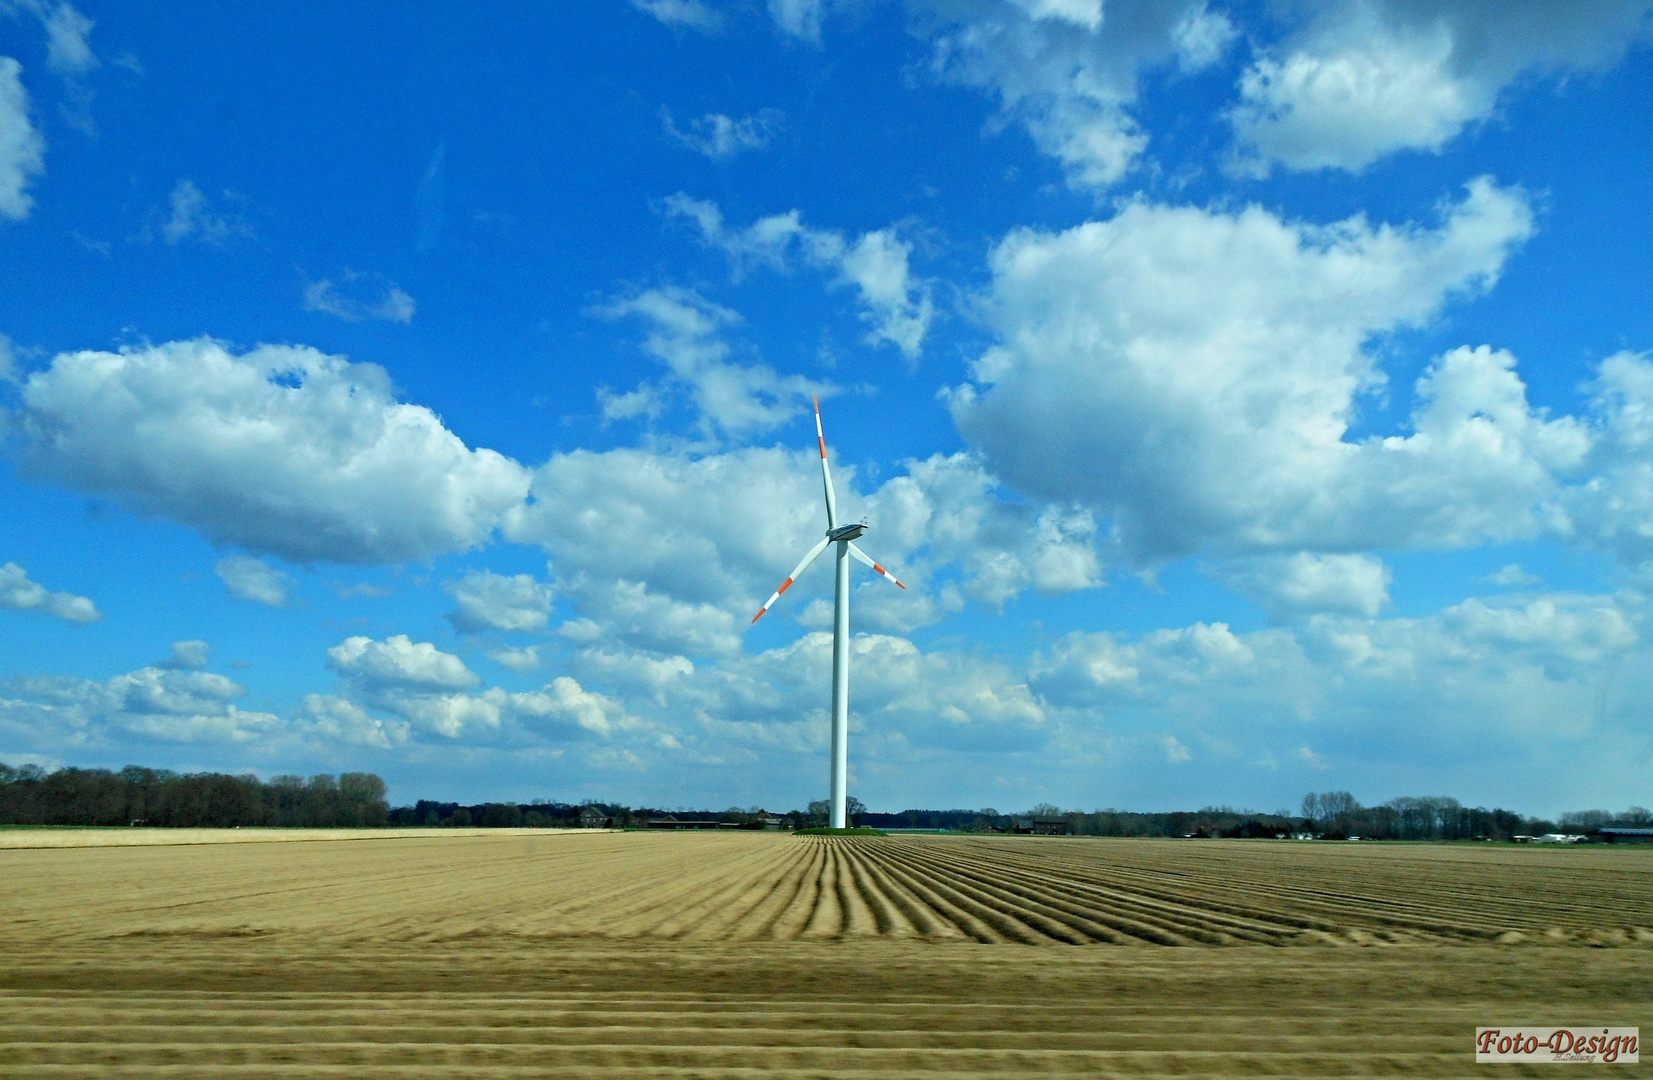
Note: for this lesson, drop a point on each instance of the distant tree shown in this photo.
(460, 819)
(501, 816)
(819, 813)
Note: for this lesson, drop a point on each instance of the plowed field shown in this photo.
(533, 953)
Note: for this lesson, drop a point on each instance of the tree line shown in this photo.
(138, 796)
(29, 795)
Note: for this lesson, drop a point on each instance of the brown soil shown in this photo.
(533, 953)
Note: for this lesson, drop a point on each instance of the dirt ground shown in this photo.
(533, 953)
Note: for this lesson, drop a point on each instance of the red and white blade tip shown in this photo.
(785, 585)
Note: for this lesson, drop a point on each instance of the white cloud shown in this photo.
(520, 660)
(382, 299)
(564, 699)
(22, 149)
(1482, 681)
(799, 18)
(1067, 70)
(399, 663)
(340, 720)
(187, 656)
(153, 703)
(673, 553)
(415, 681)
(487, 600)
(282, 450)
(1194, 373)
(1293, 586)
(876, 265)
(253, 579)
(432, 691)
(67, 50)
(685, 332)
(1513, 577)
(194, 217)
(18, 593)
(718, 136)
(1362, 79)
(1613, 508)
(690, 13)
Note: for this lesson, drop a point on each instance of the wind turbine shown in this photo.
(844, 536)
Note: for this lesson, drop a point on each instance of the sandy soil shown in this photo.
(536, 953)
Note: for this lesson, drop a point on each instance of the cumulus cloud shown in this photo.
(18, 593)
(520, 660)
(162, 704)
(1612, 509)
(399, 663)
(718, 136)
(799, 18)
(187, 656)
(194, 217)
(692, 14)
(1361, 79)
(282, 450)
(1068, 70)
(685, 332)
(1513, 577)
(1193, 374)
(253, 579)
(642, 570)
(897, 305)
(1291, 586)
(565, 700)
(415, 681)
(1481, 681)
(362, 296)
(336, 719)
(430, 691)
(22, 148)
(490, 601)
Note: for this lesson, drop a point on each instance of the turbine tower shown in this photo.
(844, 536)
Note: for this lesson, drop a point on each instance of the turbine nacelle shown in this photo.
(847, 532)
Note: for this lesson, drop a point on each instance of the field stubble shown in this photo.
(514, 954)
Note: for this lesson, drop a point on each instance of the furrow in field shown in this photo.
(752, 903)
(888, 921)
(1060, 890)
(1117, 919)
(1319, 909)
(1015, 921)
(730, 891)
(828, 918)
(791, 921)
(942, 908)
(783, 902)
(1032, 912)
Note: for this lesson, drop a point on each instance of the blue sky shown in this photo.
(1255, 398)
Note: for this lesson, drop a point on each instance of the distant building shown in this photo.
(593, 818)
(1627, 836)
(671, 822)
(1041, 826)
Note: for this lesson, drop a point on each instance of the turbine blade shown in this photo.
(864, 557)
(814, 553)
(826, 473)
